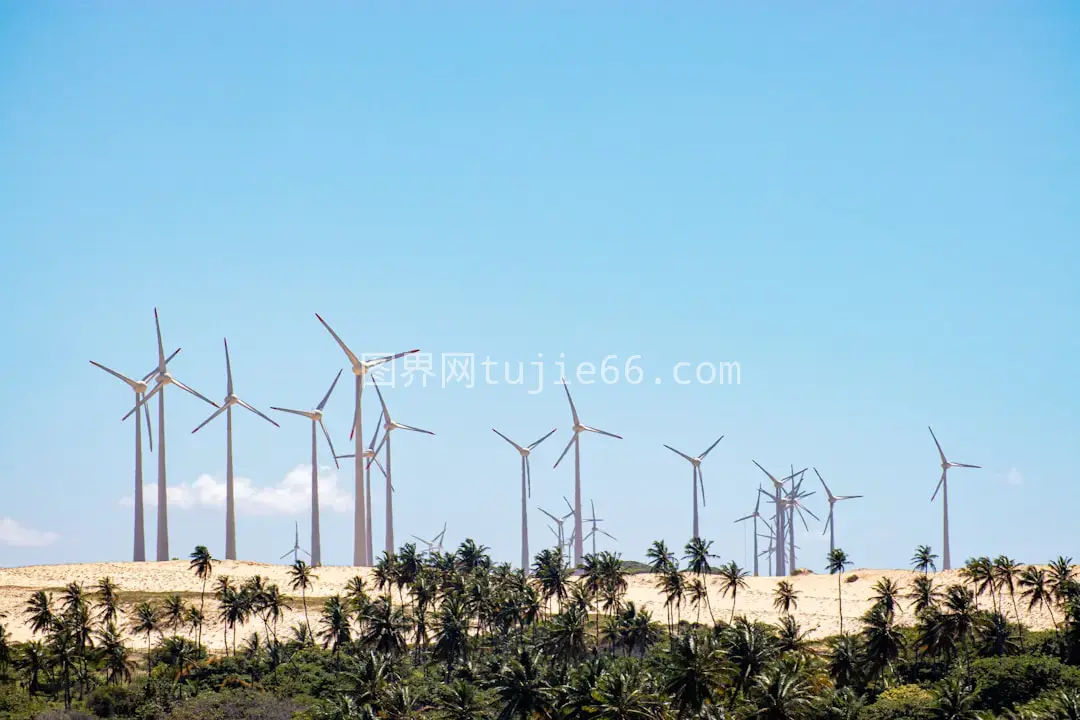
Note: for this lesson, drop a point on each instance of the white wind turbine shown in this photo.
(793, 504)
(296, 548)
(360, 369)
(830, 525)
(140, 387)
(230, 497)
(596, 529)
(316, 418)
(369, 455)
(779, 524)
(576, 442)
(698, 477)
(526, 491)
(389, 426)
(161, 379)
(559, 522)
(943, 486)
(756, 515)
(435, 544)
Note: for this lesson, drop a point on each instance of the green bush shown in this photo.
(905, 702)
(234, 705)
(1005, 682)
(114, 701)
(17, 705)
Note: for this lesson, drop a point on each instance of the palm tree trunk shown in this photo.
(303, 594)
(1019, 625)
(840, 601)
(732, 618)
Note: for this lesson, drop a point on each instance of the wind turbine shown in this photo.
(830, 526)
(296, 548)
(388, 426)
(576, 442)
(756, 515)
(595, 521)
(793, 504)
(698, 478)
(559, 524)
(943, 485)
(360, 368)
(230, 497)
(769, 550)
(316, 418)
(526, 491)
(140, 387)
(161, 379)
(435, 544)
(777, 500)
(369, 455)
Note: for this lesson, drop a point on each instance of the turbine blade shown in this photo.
(602, 432)
(322, 403)
(375, 453)
(573, 410)
(609, 535)
(569, 506)
(185, 388)
(543, 438)
(168, 360)
(301, 413)
(566, 449)
(809, 512)
(160, 346)
(153, 391)
(967, 466)
(507, 439)
(775, 482)
(228, 369)
(848, 497)
(330, 443)
(679, 453)
(827, 524)
(349, 353)
(744, 517)
(711, 447)
(380, 466)
(827, 490)
(939, 484)
(414, 429)
(386, 412)
(264, 417)
(212, 416)
(131, 383)
(528, 477)
(375, 435)
(701, 483)
(757, 502)
(345, 456)
(286, 555)
(149, 430)
(940, 451)
(389, 358)
(548, 514)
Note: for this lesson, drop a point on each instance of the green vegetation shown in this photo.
(456, 637)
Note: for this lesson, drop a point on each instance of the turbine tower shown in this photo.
(526, 491)
(161, 379)
(576, 442)
(830, 526)
(230, 497)
(793, 505)
(756, 515)
(369, 455)
(140, 387)
(779, 527)
(296, 548)
(943, 486)
(595, 522)
(360, 368)
(698, 478)
(388, 426)
(316, 418)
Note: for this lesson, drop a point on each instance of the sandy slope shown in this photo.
(817, 593)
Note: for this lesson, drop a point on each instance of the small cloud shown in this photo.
(291, 496)
(1014, 477)
(15, 535)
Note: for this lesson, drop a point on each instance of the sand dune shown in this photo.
(817, 605)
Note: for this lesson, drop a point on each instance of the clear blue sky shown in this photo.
(872, 207)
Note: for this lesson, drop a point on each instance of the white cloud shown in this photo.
(1014, 477)
(291, 496)
(14, 534)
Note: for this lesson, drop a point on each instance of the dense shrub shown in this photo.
(1006, 682)
(234, 705)
(906, 702)
(113, 701)
(16, 704)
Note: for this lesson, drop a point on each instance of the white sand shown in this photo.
(817, 606)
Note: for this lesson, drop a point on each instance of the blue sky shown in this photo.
(870, 207)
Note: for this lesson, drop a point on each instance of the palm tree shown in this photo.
(146, 620)
(886, 592)
(732, 578)
(521, 689)
(461, 700)
(698, 555)
(980, 573)
(33, 661)
(790, 638)
(661, 559)
(924, 595)
(882, 641)
(699, 595)
(1061, 577)
(632, 630)
(784, 693)
(109, 599)
(837, 562)
(551, 574)
(1007, 572)
(749, 648)
(302, 577)
(785, 597)
(65, 655)
(117, 660)
(336, 630)
(955, 701)
(173, 612)
(452, 633)
(924, 559)
(273, 606)
(673, 585)
(386, 627)
(203, 565)
(1035, 586)
(621, 695)
(694, 675)
(565, 638)
(39, 609)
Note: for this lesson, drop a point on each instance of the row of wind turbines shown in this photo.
(787, 492)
